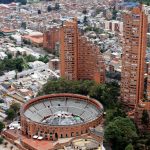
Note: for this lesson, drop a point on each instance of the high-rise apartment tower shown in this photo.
(133, 57)
(51, 38)
(80, 59)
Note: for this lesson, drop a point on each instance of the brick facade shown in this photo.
(80, 58)
(50, 38)
(133, 58)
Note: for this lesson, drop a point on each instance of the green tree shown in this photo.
(1, 140)
(110, 95)
(49, 8)
(19, 66)
(142, 142)
(113, 113)
(97, 91)
(12, 64)
(30, 58)
(1, 101)
(89, 28)
(10, 114)
(9, 55)
(8, 64)
(107, 94)
(85, 20)
(120, 132)
(66, 86)
(15, 107)
(2, 67)
(24, 25)
(39, 11)
(97, 11)
(145, 118)
(2, 126)
(57, 6)
(85, 87)
(84, 11)
(129, 147)
(114, 13)
(44, 59)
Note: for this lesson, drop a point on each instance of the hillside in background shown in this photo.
(23, 2)
(147, 2)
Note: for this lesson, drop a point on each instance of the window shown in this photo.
(72, 134)
(77, 134)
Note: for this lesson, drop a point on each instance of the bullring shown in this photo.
(60, 116)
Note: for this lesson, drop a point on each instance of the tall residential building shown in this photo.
(114, 26)
(148, 82)
(133, 57)
(80, 58)
(51, 38)
(69, 50)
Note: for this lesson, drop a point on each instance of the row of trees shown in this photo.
(31, 58)
(107, 93)
(96, 30)
(121, 132)
(11, 64)
(147, 2)
(19, 63)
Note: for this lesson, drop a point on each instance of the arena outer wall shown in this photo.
(52, 132)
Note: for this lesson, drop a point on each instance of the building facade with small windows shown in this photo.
(51, 39)
(133, 57)
(80, 58)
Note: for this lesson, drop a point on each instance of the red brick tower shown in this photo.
(133, 59)
(80, 58)
(50, 38)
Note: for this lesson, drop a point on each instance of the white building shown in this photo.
(114, 26)
(2, 55)
(36, 64)
(17, 38)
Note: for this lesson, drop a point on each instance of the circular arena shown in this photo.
(60, 116)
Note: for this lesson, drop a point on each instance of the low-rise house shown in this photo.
(2, 55)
